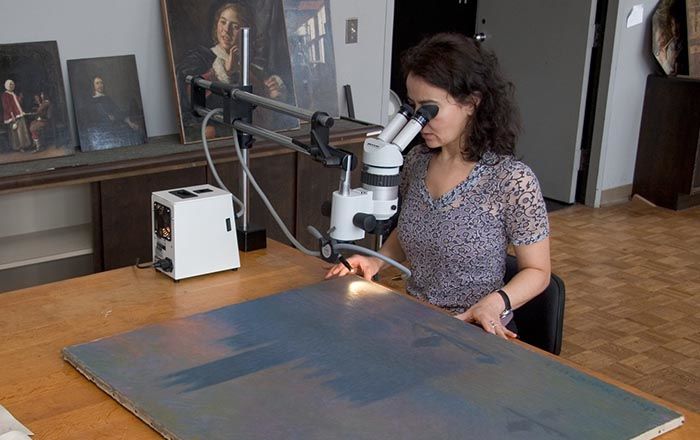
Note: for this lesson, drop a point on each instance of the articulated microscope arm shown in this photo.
(353, 211)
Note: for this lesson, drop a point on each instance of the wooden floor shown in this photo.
(632, 275)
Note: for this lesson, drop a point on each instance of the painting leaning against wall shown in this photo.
(311, 52)
(107, 101)
(202, 38)
(35, 117)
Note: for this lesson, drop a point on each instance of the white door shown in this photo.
(544, 47)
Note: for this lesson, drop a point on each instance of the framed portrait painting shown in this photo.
(35, 117)
(107, 101)
(203, 40)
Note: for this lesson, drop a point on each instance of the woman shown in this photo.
(222, 63)
(465, 197)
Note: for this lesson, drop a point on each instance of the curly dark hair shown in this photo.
(469, 73)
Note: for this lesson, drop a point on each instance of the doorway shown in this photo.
(591, 101)
(415, 20)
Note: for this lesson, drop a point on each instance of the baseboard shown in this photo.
(615, 196)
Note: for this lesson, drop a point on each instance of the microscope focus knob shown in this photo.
(366, 222)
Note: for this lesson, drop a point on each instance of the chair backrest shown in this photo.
(540, 321)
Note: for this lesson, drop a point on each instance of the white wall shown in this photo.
(627, 61)
(365, 65)
(98, 28)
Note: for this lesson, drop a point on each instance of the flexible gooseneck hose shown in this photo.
(211, 162)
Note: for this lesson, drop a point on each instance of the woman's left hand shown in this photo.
(487, 313)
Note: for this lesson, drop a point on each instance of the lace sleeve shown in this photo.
(525, 214)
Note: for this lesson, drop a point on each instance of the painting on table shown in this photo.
(348, 358)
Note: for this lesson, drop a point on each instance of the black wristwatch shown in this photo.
(508, 310)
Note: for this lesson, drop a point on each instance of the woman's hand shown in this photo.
(487, 313)
(366, 267)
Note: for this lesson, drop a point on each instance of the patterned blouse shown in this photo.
(457, 244)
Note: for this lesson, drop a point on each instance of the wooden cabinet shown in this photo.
(122, 215)
(295, 185)
(123, 179)
(667, 170)
(123, 206)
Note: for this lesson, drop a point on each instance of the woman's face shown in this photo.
(227, 28)
(445, 129)
(10, 86)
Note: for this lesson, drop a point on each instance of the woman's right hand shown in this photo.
(366, 267)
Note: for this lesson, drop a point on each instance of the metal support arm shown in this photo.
(241, 103)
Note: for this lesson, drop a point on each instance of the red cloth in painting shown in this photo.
(10, 107)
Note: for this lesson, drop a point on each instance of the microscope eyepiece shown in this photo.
(426, 113)
(397, 123)
(406, 110)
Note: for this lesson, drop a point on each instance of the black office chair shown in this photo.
(541, 320)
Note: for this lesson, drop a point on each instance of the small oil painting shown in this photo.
(107, 101)
(34, 112)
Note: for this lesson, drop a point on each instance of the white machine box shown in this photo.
(194, 231)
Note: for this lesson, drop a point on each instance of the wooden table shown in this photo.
(55, 401)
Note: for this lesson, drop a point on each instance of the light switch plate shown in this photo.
(351, 31)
